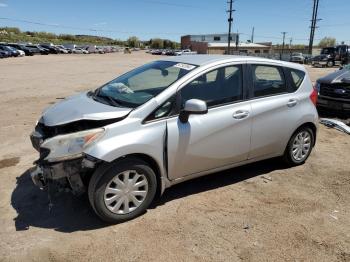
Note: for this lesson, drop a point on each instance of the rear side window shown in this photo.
(297, 78)
(268, 80)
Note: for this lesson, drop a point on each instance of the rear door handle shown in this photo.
(292, 102)
(240, 114)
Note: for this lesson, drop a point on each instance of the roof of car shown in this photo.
(201, 60)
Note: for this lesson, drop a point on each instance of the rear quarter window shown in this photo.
(297, 77)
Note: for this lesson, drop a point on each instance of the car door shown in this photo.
(274, 110)
(216, 139)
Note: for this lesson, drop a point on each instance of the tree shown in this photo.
(156, 43)
(133, 41)
(327, 41)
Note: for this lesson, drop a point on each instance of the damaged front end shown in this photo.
(70, 175)
(64, 131)
(62, 161)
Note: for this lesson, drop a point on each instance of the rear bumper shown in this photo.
(322, 63)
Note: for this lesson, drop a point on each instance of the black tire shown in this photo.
(330, 64)
(288, 157)
(104, 174)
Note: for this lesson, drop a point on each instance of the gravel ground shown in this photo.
(259, 212)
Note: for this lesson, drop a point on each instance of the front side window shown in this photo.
(267, 80)
(220, 86)
(141, 84)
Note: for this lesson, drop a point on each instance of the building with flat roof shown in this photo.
(245, 48)
(217, 44)
(208, 38)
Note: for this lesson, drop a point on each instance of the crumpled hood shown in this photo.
(339, 76)
(80, 107)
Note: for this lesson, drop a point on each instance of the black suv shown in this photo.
(334, 90)
(331, 56)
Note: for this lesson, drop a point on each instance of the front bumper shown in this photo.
(332, 103)
(69, 175)
(321, 63)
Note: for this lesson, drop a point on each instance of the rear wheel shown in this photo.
(299, 146)
(123, 191)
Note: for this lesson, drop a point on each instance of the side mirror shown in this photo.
(193, 107)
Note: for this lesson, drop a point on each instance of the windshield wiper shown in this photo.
(111, 100)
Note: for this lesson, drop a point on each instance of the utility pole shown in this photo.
(313, 25)
(252, 38)
(237, 40)
(284, 37)
(230, 19)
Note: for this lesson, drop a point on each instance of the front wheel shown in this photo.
(299, 147)
(123, 191)
(330, 64)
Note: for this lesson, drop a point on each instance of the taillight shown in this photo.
(313, 95)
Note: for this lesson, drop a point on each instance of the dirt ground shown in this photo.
(259, 212)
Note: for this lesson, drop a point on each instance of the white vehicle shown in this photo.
(62, 50)
(188, 52)
(170, 121)
(92, 49)
(79, 51)
(185, 52)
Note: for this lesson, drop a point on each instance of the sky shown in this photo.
(170, 19)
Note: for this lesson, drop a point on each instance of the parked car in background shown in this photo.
(63, 49)
(79, 51)
(20, 52)
(38, 50)
(334, 90)
(188, 52)
(4, 54)
(297, 58)
(26, 50)
(99, 50)
(50, 48)
(171, 52)
(170, 121)
(156, 52)
(12, 51)
(92, 49)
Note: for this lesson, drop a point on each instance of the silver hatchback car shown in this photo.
(173, 120)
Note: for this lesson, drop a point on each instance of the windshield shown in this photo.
(141, 84)
(327, 51)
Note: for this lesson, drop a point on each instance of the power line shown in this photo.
(88, 29)
(127, 32)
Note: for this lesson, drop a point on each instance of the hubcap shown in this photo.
(301, 146)
(126, 192)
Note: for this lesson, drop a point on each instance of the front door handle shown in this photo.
(292, 102)
(240, 114)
